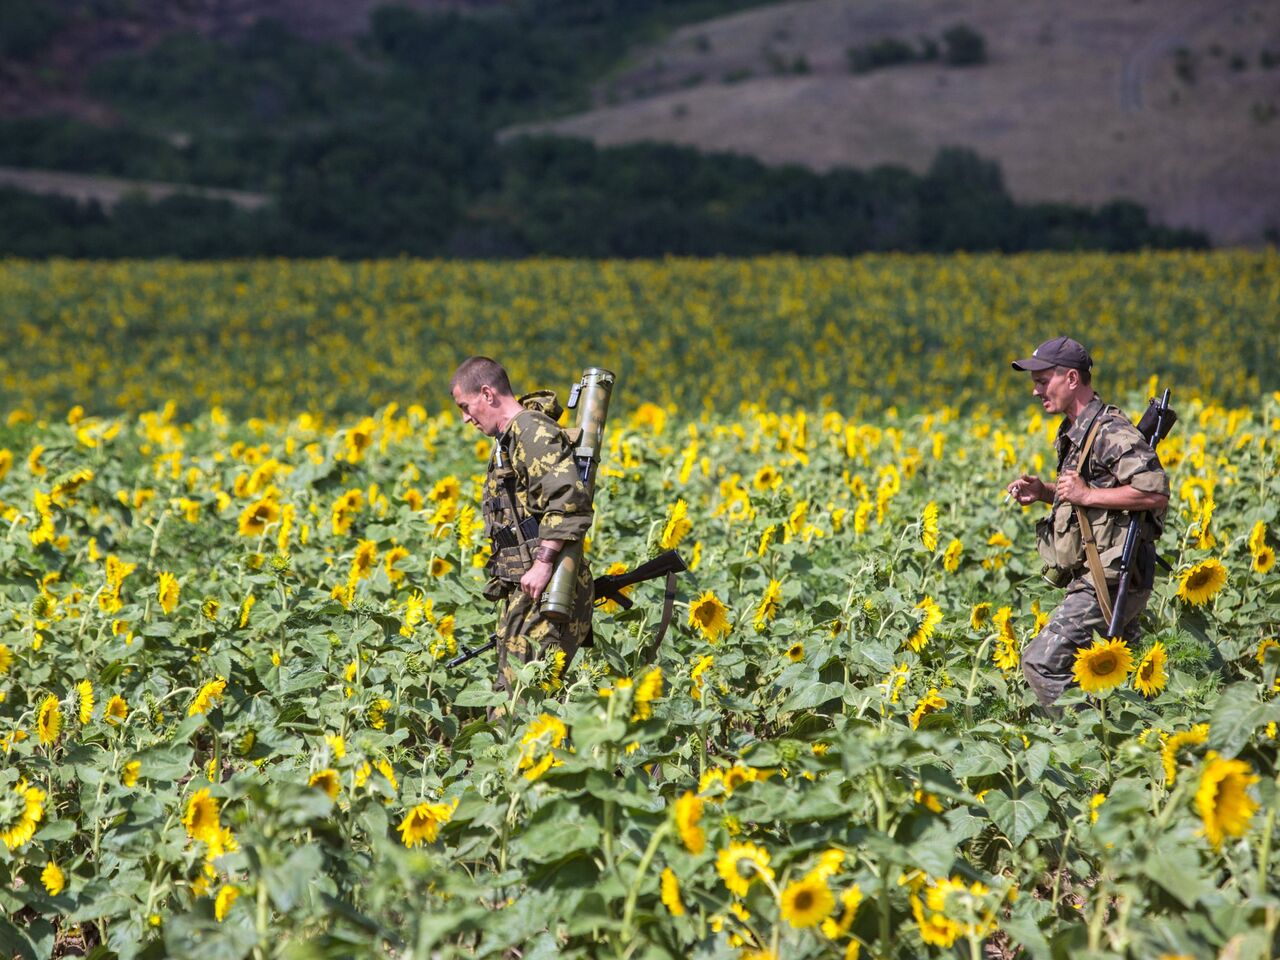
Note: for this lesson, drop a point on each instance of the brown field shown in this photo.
(1079, 102)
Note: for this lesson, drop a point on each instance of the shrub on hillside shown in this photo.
(964, 46)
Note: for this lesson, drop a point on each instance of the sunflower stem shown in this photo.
(973, 679)
(629, 909)
(1062, 865)
(1264, 857)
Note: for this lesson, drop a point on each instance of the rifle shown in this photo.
(469, 654)
(610, 587)
(1154, 427)
(664, 564)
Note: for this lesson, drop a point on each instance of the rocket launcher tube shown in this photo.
(590, 398)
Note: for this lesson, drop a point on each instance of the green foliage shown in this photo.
(26, 27)
(885, 52)
(963, 46)
(1015, 832)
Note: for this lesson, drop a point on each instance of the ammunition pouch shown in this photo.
(505, 538)
(1060, 545)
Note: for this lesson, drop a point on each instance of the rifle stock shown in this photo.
(610, 586)
(1154, 427)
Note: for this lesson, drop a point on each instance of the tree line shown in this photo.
(392, 150)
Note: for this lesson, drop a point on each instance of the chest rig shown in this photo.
(511, 526)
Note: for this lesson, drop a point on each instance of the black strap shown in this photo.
(668, 608)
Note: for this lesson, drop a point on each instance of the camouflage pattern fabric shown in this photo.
(1119, 457)
(1048, 661)
(525, 635)
(535, 458)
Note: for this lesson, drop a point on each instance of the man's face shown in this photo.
(1054, 387)
(479, 409)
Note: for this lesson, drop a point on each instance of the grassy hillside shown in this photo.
(1170, 102)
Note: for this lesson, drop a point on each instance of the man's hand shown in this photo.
(1072, 488)
(536, 579)
(1028, 489)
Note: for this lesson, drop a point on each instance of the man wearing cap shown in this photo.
(1120, 474)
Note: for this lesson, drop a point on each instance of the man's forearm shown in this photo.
(1125, 498)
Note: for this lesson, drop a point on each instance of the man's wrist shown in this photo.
(545, 555)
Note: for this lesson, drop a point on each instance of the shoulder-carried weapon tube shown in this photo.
(1154, 427)
(590, 398)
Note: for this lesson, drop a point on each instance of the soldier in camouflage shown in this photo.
(534, 503)
(1121, 474)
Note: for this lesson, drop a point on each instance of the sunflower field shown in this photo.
(242, 540)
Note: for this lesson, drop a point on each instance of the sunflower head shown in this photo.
(1150, 677)
(1200, 583)
(1222, 798)
(806, 902)
(1104, 665)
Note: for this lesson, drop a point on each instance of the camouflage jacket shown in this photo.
(1119, 457)
(534, 460)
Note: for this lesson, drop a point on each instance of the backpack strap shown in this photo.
(1096, 570)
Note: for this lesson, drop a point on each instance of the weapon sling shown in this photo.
(1096, 570)
(508, 489)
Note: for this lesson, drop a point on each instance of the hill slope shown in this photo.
(1168, 102)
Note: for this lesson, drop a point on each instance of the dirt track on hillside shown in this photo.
(109, 191)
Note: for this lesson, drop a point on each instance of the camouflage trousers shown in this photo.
(525, 635)
(1049, 660)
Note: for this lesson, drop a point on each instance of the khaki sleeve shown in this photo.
(556, 492)
(1121, 449)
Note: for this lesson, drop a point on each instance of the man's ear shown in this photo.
(486, 392)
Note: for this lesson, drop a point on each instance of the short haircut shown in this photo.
(476, 372)
(1086, 375)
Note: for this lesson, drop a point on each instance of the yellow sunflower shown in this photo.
(795, 652)
(422, 824)
(770, 604)
(929, 526)
(49, 720)
(1169, 752)
(740, 863)
(1198, 584)
(85, 701)
(22, 808)
(116, 710)
(6, 659)
(1102, 666)
(931, 702)
(326, 780)
(538, 744)
(227, 895)
(951, 556)
(1223, 799)
(647, 690)
(703, 664)
(366, 558)
(806, 902)
(54, 880)
(1264, 558)
(709, 616)
(677, 526)
(850, 900)
(688, 814)
(928, 615)
(207, 697)
(202, 818)
(1150, 678)
(979, 615)
(671, 893)
(257, 517)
